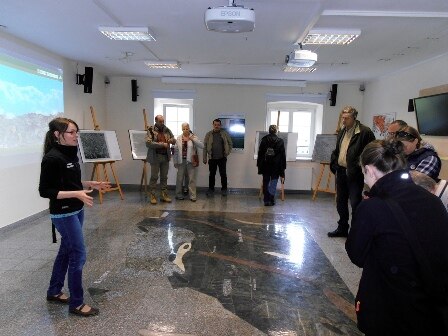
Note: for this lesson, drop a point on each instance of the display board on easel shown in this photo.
(101, 148)
(139, 150)
(323, 147)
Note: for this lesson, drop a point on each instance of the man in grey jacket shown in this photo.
(217, 146)
(158, 140)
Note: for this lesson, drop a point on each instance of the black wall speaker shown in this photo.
(411, 105)
(88, 80)
(333, 94)
(134, 90)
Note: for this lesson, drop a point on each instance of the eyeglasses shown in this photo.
(74, 132)
(405, 135)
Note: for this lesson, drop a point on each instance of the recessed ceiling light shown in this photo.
(287, 68)
(163, 64)
(331, 36)
(128, 33)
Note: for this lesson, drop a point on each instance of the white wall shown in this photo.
(19, 197)
(114, 110)
(391, 94)
(212, 100)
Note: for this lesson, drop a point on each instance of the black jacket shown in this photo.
(60, 171)
(392, 297)
(278, 164)
(361, 137)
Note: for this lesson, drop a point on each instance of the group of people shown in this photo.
(399, 229)
(60, 182)
(216, 147)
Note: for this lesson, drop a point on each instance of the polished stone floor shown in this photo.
(219, 266)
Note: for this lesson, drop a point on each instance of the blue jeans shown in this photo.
(269, 187)
(71, 257)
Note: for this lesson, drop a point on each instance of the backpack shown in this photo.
(270, 152)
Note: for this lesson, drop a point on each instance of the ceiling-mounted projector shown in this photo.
(301, 58)
(230, 19)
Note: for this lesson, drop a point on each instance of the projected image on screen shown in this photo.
(30, 96)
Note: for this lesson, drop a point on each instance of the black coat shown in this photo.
(60, 171)
(361, 137)
(278, 164)
(392, 297)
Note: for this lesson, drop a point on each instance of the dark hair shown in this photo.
(350, 110)
(217, 120)
(273, 129)
(57, 124)
(408, 133)
(386, 156)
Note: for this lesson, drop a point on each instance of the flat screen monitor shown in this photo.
(432, 114)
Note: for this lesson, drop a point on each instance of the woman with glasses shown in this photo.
(60, 181)
(420, 156)
(399, 238)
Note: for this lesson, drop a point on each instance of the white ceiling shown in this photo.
(394, 35)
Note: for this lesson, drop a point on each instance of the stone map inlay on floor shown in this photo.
(265, 268)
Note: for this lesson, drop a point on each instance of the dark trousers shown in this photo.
(347, 188)
(213, 164)
(269, 187)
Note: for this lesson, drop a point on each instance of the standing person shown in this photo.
(351, 140)
(158, 140)
(399, 239)
(420, 156)
(186, 146)
(217, 146)
(60, 181)
(271, 163)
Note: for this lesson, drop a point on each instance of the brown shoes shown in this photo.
(58, 298)
(78, 311)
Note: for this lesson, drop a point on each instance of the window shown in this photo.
(175, 112)
(175, 115)
(300, 118)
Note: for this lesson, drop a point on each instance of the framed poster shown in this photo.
(235, 125)
(324, 145)
(381, 123)
(138, 144)
(98, 146)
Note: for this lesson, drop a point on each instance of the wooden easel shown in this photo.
(144, 173)
(96, 168)
(323, 165)
(327, 189)
(282, 179)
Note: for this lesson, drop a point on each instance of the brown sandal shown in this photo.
(78, 311)
(58, 298)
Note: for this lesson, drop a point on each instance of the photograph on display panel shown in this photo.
(99, 146)
(138, 144)
(324, 145)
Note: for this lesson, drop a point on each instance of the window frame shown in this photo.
(297, 106)
(161, 104)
